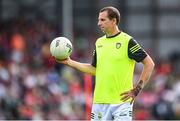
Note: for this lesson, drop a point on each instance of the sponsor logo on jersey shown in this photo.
(100, 46)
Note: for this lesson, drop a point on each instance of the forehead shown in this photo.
(103, 14)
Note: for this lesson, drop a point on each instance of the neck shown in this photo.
(112, 32)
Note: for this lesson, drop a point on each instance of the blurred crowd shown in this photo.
(160, 100)
(33, 86)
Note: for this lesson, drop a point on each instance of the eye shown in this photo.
(102, 19)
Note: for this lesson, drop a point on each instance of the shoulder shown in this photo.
(100, 39)
(126, 36)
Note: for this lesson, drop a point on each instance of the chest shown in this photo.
(112, 50)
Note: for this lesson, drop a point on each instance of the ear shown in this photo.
(114, 20)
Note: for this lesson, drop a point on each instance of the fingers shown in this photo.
(125, 98)
(61, 61)
(124, 93)
(127, 95)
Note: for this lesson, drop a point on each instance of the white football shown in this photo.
(61, 48)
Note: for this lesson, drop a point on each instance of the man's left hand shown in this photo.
(132, 93)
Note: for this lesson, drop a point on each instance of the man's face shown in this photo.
(104, 23)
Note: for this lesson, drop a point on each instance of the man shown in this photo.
(113, 65)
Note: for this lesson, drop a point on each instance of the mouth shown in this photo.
(101, 28)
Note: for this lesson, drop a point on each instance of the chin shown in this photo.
(103, 30)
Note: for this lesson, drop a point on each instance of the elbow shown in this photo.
(152, 65)
(149, 65)
(93, 71)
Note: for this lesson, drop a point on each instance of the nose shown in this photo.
(99, 23)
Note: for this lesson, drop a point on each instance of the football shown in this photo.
(61, 48)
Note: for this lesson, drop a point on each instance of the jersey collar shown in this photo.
(114, 35)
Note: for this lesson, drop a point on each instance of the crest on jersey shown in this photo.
(99, 115)
(118, 45)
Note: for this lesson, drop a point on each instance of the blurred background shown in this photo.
(34, 87)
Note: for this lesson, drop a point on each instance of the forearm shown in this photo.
(83, 67)
(147, 70)
(145, 75)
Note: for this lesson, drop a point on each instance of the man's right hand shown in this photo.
(63, 61)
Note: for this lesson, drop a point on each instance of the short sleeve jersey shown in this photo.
(114, 59)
